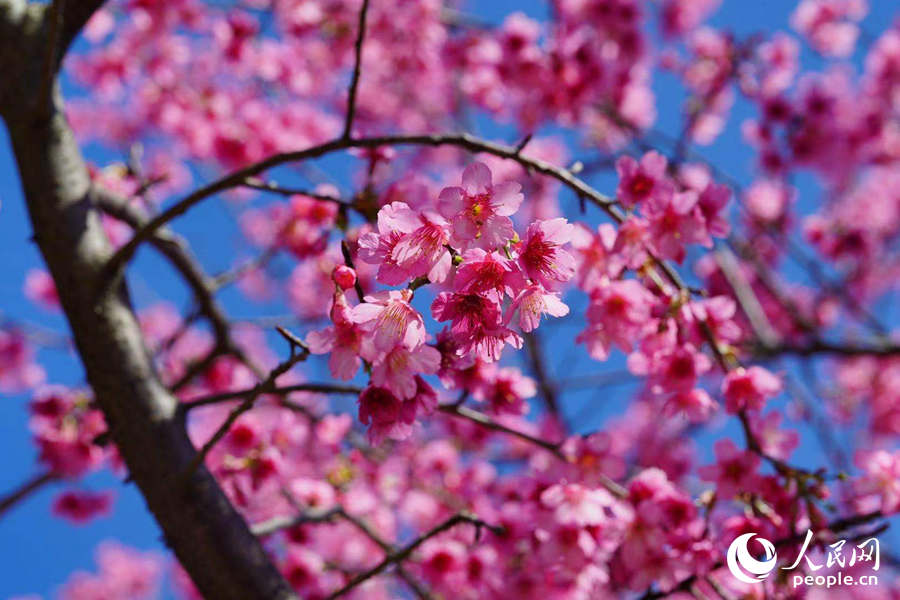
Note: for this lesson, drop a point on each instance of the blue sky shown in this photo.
(38, 551)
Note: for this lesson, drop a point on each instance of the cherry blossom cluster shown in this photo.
(831, 26)
(463, 240)
(594, 54)
(123, 573)
(422, 279)
(65, 427)
(18, 369)
(663, 331)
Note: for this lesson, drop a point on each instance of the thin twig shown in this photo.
(293, 340)
(747, 299)
(276, 524)
(463, 141)
(546, 387)
(521, 145)
(263, 387)
(322, 388)
(488, 423)
(595, 380)
(348, 260)
(485, 421)
(407, 550)
(418, 588)
(175, 249)
(825, 347)
(26, 489)
(357, 70)
(276, 188)
(40, 335)
(228, 277)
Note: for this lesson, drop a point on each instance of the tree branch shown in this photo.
(463, 141)
(26, 489)
(746, 298)
(210, 539)
(815, 347)
(348, 260)
(536, 356)
(76, 14)
(263, 387)
(485, 421)
(357, 70)
(255, 183)
(175, 250)
(277, 524)
(55, 18)
(407, 550)
(323, 388)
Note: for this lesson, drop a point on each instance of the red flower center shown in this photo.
(641, 185)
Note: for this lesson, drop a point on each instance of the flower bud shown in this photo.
(344, 276)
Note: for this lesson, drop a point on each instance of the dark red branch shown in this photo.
(26, 489)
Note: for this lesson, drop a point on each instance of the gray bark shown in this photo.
(210, 539)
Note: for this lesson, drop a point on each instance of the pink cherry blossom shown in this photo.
(633, 241)
(487, 273)
(390, 319)
(476, 324)
(372, 197)
(479, 211)
(774, 439)
(423, 251)
(674, 223)
(443, 561)
(748, 389)
(394, 221)
(641, 181)
(619, 312)
(345, 340)
(64, 426)
(830, 25)
(533, 302)
(578, 505)
(681, 16)
(713, 200)
(696, 404)
(594, 255)
(39, 288)
(123, 573)
(881, 478)
(18, 371)
(541, 256)
(505, 390)
(386, 415)
(397, 369)
(733, 471)
(81, 507)
(674, 369)
(303, 569)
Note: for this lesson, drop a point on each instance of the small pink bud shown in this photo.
(344, 276)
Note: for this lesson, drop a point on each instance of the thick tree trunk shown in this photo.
(210, 539)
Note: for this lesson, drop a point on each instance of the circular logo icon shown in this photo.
(742, 564)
